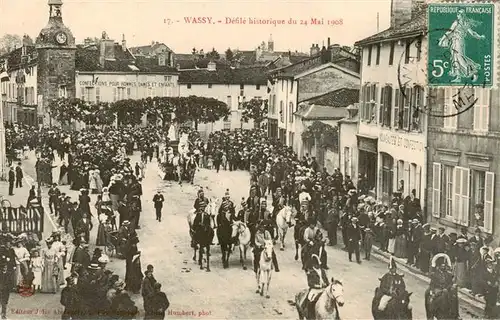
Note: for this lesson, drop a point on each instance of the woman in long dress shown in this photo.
(92, 182)
(392, 237)
(133, 273)
(400, 244)
(98, 180)
(63, 176)
(60, 249)
(461, 257)
(50, 269)
(101, 230)
(22, 260)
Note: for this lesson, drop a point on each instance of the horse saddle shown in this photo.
(314, 295)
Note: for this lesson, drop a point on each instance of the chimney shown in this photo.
(178, 67)
(325, 55)
(400, 12)
(106, 50)
(417, 7)
(212, 66)
(328, 43)
(124, 43)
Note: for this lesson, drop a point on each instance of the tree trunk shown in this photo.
(196, 125)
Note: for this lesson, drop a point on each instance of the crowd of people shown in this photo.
(96, 162)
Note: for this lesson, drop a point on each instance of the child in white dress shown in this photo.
(37, 268)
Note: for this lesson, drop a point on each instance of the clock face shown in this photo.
(61, 38)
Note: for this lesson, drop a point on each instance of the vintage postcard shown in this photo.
(249, 160)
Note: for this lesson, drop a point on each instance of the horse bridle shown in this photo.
(333, 297)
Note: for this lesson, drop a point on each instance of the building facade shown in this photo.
(229, 85)
(348, 143)
(333, 69)
(392, 137)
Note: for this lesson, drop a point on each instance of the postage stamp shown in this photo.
(461, 46)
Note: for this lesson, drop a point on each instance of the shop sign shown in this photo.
(368, 145)
(396, 140)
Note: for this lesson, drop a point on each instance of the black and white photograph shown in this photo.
(269, 159)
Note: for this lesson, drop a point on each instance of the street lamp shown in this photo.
(3, 150)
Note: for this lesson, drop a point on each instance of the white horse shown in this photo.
(284, 220)
(327, 305)
(265, 269)
(241, 231)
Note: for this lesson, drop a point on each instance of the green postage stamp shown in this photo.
(461, 44)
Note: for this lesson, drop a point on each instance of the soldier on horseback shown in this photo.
(317, 282)
(200, 201)
(442, 286)
(261, 236)
(242, 214)
(313, 245)
(227, 205)
(191, 166)
(278, 201)
(391, 284)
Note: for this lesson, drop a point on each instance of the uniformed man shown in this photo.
(317, 281)
(201, 201)
(242, 213)
(261, 236)
(389, 284)
(227, 205)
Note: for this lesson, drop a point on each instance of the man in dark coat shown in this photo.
(81, 256)
(19, 176)
(83, 227)
(5, 285)
(354, 238)
(415, 237)
(12, 179)
(147, 291)
(70, 299)
(159, 303)
(158, 200)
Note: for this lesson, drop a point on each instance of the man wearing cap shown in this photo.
(6, 284)
(425, 249)
(242, 213)
(415, 237)
(201, 201)
(390, 284)
(83, 227)
(147, 291)
(12, 179)
(70, 299)
(490, 284)
(354, 239)
(317, 281)
(442, 242)
(227, 205)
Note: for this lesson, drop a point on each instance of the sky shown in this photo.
(144, 21)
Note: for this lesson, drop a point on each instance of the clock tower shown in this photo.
(56, 49)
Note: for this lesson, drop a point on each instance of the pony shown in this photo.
(284, 220)
(264, 271)
(211, 210)
(298, 235)
(242, 233)
(327, 305)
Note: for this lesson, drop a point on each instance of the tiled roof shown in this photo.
(201, 63)
(148, 50)
(251, 75)
(87, 59)
(14, 57)
(411, 28)
(338, 98)
(304, 65)
(318, 112)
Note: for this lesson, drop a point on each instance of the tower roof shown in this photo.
(55, 26)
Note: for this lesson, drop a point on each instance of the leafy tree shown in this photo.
(325, 136)
(161, 108)
(229, 55)
(128, 111)
(213, 54)
(200, 110)
(10, 41)
(255, 109)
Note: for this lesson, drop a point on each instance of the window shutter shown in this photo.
(436, 189)
(485, 105)
(418, 183)
(457, 194)
(489, 195)
(396, 109)
(381, 106)
(465, 196)
(350, 162)
(477, 115)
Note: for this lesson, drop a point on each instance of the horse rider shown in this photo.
(313, 237)
(200, 200)
(227, 204)
(388, 284)
(265, 215)
(191, 166)
(202, 219)
(242, 213)
(261, 236)
(278, 202)
(317, 281)
(253, 199)
(442, 282)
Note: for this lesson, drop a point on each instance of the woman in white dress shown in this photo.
(98, 180)
(60, 249)
(92, 182)
(50, 270)
(22, 259)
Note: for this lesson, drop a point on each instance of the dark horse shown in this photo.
(224, 233)
(397, 308)
(202, 237)
(298, 235)
(443, 304)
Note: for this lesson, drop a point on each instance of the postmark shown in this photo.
(461, 50)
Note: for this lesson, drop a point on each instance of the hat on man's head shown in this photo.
(125, 223)
(93, 266)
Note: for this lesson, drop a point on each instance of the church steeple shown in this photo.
(270, 44)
